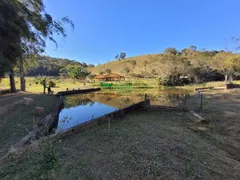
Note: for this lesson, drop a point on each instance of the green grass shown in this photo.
(63, 83)
(18, 121)
(150, 145)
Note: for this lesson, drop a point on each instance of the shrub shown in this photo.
(51, 83)
(5, 91)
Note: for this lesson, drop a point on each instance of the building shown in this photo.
(99, 78)
(108, 77)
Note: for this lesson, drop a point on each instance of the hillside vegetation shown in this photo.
(174, 67)
(49, 66)
(116, 66)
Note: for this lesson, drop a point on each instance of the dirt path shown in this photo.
(7, 102)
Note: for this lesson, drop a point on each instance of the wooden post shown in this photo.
(109, 123)
(184, 101)
(198, 96)
(145, 97)
(201, 98)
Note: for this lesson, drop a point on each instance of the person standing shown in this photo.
(44, 86)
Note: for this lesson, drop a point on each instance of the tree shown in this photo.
(170, 51)
(133, 63)
(108, 71)
(145, 63)
(33, 26)
(117, 56)
(193, 48)
(77, 72)
(10, 39)
(101, 72)
(122, 55)
(227, 63)
(172, 67)
(91, 76)
(125, 70)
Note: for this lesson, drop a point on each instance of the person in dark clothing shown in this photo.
(44, 86)
(49, 90)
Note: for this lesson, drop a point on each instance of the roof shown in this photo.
(113, 75)
(100, 76)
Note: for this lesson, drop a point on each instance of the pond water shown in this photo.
(81, 108)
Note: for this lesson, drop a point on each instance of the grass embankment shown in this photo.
(16, 122)
(63, 83)
(150, 145)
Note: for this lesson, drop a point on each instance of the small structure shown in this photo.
(114, 77)
(108, 77)
(99, 78)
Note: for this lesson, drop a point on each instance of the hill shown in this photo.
(143, 63)
(174, 67)
(49, 66)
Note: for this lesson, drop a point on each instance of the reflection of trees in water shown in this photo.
(77, 101)
(91, 95)
(125, 101)
(108, 98)
(168, 98)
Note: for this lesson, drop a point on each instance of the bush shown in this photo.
(51, 83)
(5, 91)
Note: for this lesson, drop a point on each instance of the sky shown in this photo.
(104, 28)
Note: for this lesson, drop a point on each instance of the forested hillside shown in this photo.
(49, 66)
(173, 66)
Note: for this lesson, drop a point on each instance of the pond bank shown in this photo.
(150, 144)
(78, 91)
(17, 122)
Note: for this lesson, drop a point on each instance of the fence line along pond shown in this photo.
(81, 108)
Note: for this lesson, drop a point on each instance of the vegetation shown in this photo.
(108, 71)
(19, 122)
(179, 67)
(51, 83)
(77, 72)
(25, 27)
(147, 145)
(49, 66)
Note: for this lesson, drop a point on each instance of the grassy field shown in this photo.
(146, 145)
(63, 83)
(18, 120)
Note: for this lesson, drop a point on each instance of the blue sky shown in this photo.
(104, 28)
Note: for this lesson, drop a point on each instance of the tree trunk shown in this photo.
(12, 81)
(226, 78)
(230, 78)
(22, 77)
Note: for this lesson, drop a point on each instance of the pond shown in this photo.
(81, 108)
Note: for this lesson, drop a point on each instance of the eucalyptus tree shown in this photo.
(30, 25)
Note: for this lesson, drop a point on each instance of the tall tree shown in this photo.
(193, 48)
(122, 55)
(227, 63)
(77, 72)
(34, 26)
(10, 39)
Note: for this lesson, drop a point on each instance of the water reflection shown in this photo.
(84, 107)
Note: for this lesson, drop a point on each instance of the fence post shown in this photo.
(145, 97)
(201, 98)
(185, 101)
